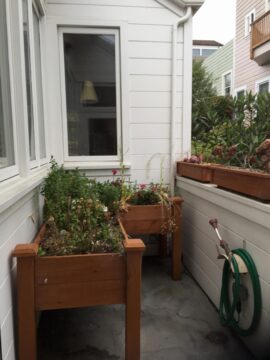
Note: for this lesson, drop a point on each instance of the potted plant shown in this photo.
(81, 257)
(236, 146)
(194, 168)
(150, 210)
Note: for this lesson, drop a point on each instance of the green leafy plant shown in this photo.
(77, 221)
(149, 194)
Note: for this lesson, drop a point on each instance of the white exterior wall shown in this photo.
(145, 36)
(18, 224)
(240, 219)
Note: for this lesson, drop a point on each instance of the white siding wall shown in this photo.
(247, 71)
(239, 219)
(147, 94)
(18, 224)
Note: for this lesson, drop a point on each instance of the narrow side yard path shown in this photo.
(178, 323)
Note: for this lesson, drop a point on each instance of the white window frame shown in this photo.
(12, 170)
(239, 89)
(223, 82)
(262, 81)
(91, 30)
(38, 7)
(248, 22)
(267, 5)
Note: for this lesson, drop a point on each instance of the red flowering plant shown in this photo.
(150, 194)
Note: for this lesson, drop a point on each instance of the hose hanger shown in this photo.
(239, 270)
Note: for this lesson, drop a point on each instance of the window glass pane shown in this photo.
(196, 52)
(6, 127)
(40, 108)
(91, 94)
(208, 52)
(263, 87)
(28, 82)
(240, 93)
(227, 84)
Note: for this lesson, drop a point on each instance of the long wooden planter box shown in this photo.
(200, 172)
(57, 282)
(150, 219)
(246, 182)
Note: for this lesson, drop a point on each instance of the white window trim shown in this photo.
(247, 24)
(38, 7)
(261, 81)
(94, 30)
(240, 88)
(12, 170)
(267, 5)
(223, 81)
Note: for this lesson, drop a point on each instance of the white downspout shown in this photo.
(174, 94)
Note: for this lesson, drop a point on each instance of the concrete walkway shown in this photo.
(178, 323)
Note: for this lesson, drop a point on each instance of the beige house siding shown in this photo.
(247, 72)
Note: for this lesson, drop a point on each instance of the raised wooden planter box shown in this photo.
(58, 282)
(246, 182)
(200, 172)
(150, 219)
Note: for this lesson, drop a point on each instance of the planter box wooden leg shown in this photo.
(27, 345)
(134, 252)
(176, 240)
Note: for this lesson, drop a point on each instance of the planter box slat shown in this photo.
(92, 293)
(246, 182)
(200, 172)
(70, 269)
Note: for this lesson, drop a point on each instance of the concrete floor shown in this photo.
(178, 322)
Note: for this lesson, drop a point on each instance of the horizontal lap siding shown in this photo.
(18, 224)
(149, 52)
(247, 71)
(199, 243)
(219, 63)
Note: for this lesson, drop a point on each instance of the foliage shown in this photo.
(202, 91)
(151, 194)
(234, 141)
(76, 220)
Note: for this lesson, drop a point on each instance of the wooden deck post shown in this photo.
(27, 344)
(176, 239)
(134, 250)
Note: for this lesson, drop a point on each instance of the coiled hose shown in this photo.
(228, 307)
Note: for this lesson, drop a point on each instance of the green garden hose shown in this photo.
(230, 307)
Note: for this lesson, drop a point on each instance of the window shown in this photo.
(208, 52)
(227, 83)
(92, 93)
(240, 92)
(263, 87)
(196, 52)
(248, 21)
(33, 76)
(7, 151)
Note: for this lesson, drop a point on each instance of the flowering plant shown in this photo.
(149, 194)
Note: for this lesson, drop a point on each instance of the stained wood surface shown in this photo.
(243, 181)
(200, 172)
(71, 295)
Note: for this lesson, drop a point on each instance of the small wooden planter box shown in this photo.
(200, 172)
(149, 219)
(246, 182)
(58, 282)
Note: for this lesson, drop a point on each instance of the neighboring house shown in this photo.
(201, 49)
(252, 46)
(95, 84)
(220, 65)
